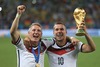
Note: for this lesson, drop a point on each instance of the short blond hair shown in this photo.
(36, 23)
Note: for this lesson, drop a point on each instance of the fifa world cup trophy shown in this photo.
(79, 16)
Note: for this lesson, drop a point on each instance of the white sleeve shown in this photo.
(79, 46)
(19, 44)
(48, 41)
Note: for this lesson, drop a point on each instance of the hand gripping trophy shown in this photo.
(79, 16)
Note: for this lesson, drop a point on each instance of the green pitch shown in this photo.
(8, 55)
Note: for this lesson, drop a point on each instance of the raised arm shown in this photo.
(14, 28)
(90, 47)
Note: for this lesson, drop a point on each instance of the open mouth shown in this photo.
(60, 35)
(36, 36)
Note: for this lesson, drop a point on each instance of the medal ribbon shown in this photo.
(36, 56)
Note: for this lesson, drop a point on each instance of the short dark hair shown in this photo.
(62, 23)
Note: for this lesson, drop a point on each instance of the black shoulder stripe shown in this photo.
(82, 46)
(51, 44)
(17, 42)
(53, 41)
(19, 39)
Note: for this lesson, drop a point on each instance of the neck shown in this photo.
(34, 43)
(61, 43)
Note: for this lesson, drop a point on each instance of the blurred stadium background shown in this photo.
(47, 12)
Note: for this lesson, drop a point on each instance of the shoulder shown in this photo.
(48, 41)
(19, 41)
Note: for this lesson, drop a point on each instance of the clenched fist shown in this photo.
(21, 9)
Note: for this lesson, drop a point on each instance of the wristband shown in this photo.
(18, 15)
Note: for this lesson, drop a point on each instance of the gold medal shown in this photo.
(37, 65)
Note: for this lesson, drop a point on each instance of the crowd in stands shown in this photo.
(47, 12)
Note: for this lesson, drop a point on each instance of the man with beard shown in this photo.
(63, 53)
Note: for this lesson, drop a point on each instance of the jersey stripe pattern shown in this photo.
(25, 58)
(65, 56)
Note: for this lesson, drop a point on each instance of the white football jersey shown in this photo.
(65, 56)
(25, 58)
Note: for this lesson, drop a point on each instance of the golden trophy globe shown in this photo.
(79, 16)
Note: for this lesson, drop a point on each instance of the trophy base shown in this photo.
(80, 32)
